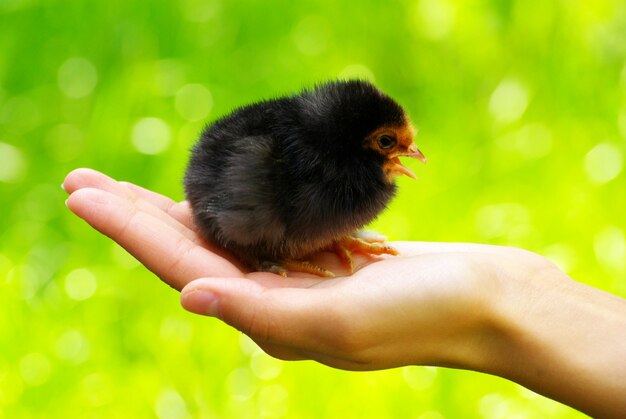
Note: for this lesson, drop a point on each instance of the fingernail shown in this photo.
(200, 302)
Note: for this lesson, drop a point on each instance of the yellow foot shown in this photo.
(298, 266)
(369, 246)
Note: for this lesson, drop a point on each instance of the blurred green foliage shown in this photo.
(521, 107)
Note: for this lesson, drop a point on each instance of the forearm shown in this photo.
(564, 340)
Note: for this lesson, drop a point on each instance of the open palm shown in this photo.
(359, 321)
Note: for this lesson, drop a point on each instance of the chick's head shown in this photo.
(362, 120)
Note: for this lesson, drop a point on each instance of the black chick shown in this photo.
(279, 180)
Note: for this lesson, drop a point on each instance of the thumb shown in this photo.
(205, 296)
(273, 315)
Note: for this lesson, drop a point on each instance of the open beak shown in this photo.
(414, 153)
(397, 166)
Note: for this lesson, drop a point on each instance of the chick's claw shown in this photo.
(344, 255)
(275, 269)
(295, 266)
(307, 267)
(345, 247)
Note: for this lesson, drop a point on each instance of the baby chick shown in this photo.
(279, 180)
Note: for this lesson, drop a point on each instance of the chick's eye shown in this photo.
(386, 142)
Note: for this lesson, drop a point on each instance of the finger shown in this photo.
(161, 248)
(179, 210)
(88, 178)
(160, 201)
(280, 316)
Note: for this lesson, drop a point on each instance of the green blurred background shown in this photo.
(521, 107)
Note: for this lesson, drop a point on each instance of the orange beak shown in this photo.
(397, 167)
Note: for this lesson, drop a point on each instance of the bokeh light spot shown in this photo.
(508, 101)
(194, 102)
(610, 247)
(247, 345)
(80, 284)
(35, 368)
(603, 163)
(532, 141)
(419, 378)
(72, 346)
(27, 277)
(151, 136)
(170, 405)
(494, 406)
(264, 366)
(12, 163)
(435, 18)
(77, 77)
(241, 384)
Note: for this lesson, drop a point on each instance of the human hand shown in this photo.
(426, 306)
(498, 310)
(156, 230)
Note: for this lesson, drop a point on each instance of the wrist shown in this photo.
(557, 337)
(519, 309)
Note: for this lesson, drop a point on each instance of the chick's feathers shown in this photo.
(286, 177)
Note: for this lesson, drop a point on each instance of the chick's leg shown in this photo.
(295, 266)
(366, 243)
(307, 267)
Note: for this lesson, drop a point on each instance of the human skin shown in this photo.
(498, 310)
